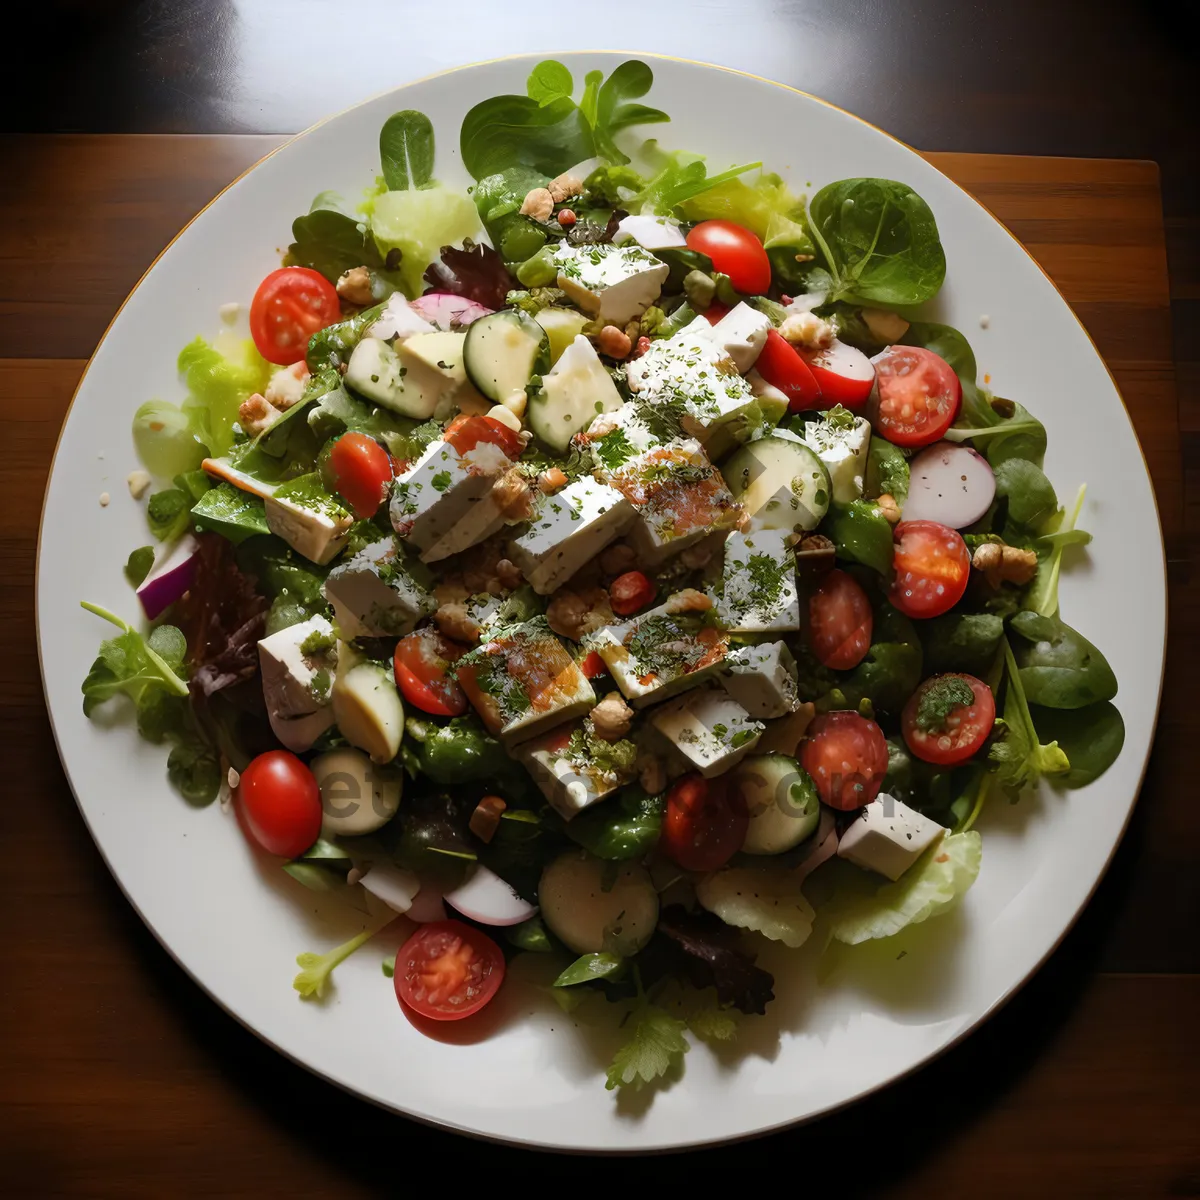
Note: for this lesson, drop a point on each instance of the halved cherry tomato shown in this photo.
(931, 568)
(782, 367)
(847, 756)
(843, 373)
(839, 621)
(279, 803)
(918, 396)
(960, 733)
(466, 432)
(291, 304)
(630, 592)
(714, 312)
(421, 662)
(735, 252)
(592, 665)
(448, 970)
(705, 823)
(360, 469)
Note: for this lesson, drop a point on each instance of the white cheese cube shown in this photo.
(709, 729)
(742, 333)
(574, 768)
(316, 527)
(651, 233)
(841, 444)
(440, 488)
(397, 321)
(659, 653)
(379, 592)
(763, 679)
(757, 592)
(613, 283)
(485, 516)
(297, 666)
(888, 837)
(571, 527)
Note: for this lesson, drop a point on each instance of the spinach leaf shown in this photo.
(550, 81)
(227, 510)
(331, 243)
(616, 110)
(946, 342)
(194, 768)
(1059, 667)
(879, 241)
(279, 571)
(167, 513)
(406, 149)
(1030, 496)
(1092, 738)
(960, 641)
(331, 347)
(996, 436)
(890, 672)
(861, 534)
(622, 828)
(138, 565)
(887, 471)
(531, 936)
(588, 967)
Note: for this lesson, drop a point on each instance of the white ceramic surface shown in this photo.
(235, 922)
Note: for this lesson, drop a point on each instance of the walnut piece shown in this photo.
(1004, 564)
(574, 615)
(890, 509)
(354, 287)
(552, 480)
(689, 600)
(563, 187)
(513, 496)
(617, 559)
(538, 204)
(455, 621)
(509, 573)
(614, 342)
(612, 717)
(808, 330)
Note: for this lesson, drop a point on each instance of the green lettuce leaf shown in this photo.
(219, 377)
(656, 1046)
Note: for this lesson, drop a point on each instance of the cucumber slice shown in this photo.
(781, 799)
(503, 352)
(780, 481)
(590, 908)
(408, 386)
(572, 396)
(562, 326)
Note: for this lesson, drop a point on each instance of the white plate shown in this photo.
(236, 923)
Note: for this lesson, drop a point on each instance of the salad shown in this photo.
(604, 562)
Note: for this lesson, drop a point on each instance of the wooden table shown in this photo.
(118, 1077)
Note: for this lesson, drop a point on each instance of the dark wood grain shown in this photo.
(119, 1077)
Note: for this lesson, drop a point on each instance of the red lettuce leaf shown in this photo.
(710, 957)
(476, 272)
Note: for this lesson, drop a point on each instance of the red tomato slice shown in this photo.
(735, 252)
(280, 803)
(630, 592)
(782, 367)
(705, 823)
(360, 470)
(847, 756)
(448, 970)
(422, 668)
(918, 396)
(593, 666)
(291, 304)
(843, 373)
(839, 621)
(963, 731)
(931, 568)
(465, 433)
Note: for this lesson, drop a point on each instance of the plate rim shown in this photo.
(952, 1042)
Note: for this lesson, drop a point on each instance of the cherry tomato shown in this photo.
(847, 757)
(448, 970)
(422, 661)
(291, 304)
(839, 621)
(714, 312)
(465, 433)
(843, 373)
(705, 823)
(630, 592)
(962, 732)
(593, 666)
(782, 367)
(735, 252)
(280, 803)
(918, 396)
(360, 470)
(931, 568)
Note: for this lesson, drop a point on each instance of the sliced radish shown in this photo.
(396, 887)
(651, 233)
(171, 576)
(398, 320)
(428, 905)
(844, 374)
(949, 484)
(448, 311)
(486, 898)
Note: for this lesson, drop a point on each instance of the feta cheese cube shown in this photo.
(298, 665)
(742, 333)
(679, 497)
(651, 233)
(311, 521)
(522, 682)
(708, 729)
(659, 653)
(380, 592)
(757, 592)
(888, 837)
(613, 283)
(763, 679)
(841, 444)
(440, 488)
(570, 528)
(575, 768)
(507, 502)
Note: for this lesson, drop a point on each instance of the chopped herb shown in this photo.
(939, 699)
